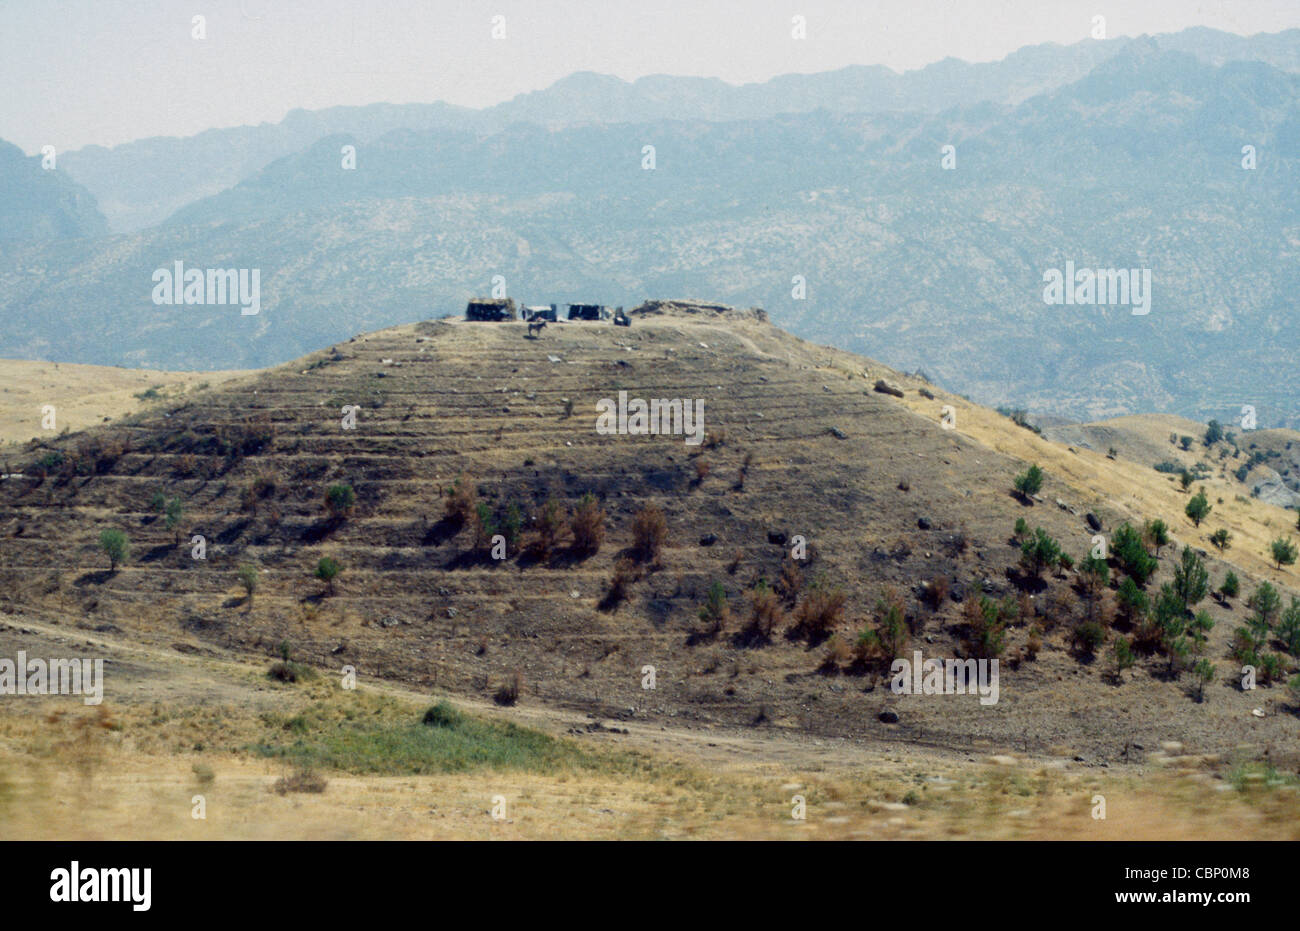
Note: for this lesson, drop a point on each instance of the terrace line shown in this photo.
(242, 286)
(58, 677)
(661, 416)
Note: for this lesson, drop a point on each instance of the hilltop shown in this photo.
(801, 440)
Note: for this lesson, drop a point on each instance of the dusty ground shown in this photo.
(164, 739)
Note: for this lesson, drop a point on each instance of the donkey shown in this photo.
(536, 326)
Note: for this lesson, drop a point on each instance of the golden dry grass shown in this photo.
(83, 395)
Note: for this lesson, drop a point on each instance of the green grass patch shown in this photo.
(442, 740)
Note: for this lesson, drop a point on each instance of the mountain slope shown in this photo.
(141, 183)
(38, 204)
(1136, 166)
(799, 443)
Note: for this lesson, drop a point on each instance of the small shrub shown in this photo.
(458, 506)
(248, 577)
(443, 714)
(587, 525)
(1284, 551)
(820, 611)
(715, 611)
(339, 500)
(649, 530)
(301, 780)
(327, 570)
(547, 526)
(765, 613)
(115, 546)
(1198, 508)
(1029, 482)
(508, 692)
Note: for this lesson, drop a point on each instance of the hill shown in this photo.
(799, 442)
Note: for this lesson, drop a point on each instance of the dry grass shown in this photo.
(83, 395)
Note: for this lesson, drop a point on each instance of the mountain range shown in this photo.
(840, 220)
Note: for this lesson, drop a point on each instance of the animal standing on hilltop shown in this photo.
(536, 326)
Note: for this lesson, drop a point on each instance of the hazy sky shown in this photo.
(75, 72)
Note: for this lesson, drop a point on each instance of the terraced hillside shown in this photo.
(800, 442)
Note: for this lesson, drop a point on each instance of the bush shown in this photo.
(1022, 528)
(715, 612)
(115, 546)
(1271, 668)
(484, 526)
(987, 620)
(1288, 629)
(1130, 552)
(443, 714)
(1284, 551)
(820, 610)
(1191, 580)
(1095, 572)
(302, 780)
(1121, 653)
(765, 613)
(339, 500)
(587, 526)
(1221, 538)
(891, 623)
(1231, 585)
(790, 584)
(649, 530)
(1198, 508)
(1039, 552)
(1213, 433)
(248, 578)
(547, 526)
(1133, 601)
(458, 506)
(327, 570)
(1089, 635)
(1029, 482)
(508, 692)
(1264, 604)
(1156, 532)
(1204, 673)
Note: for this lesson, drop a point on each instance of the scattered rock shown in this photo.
(838, 433)
(888, 717)
(926, 393)
(923, 523)
(708, 539)
(885, 387)
(1094, 522)
(777, 536)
